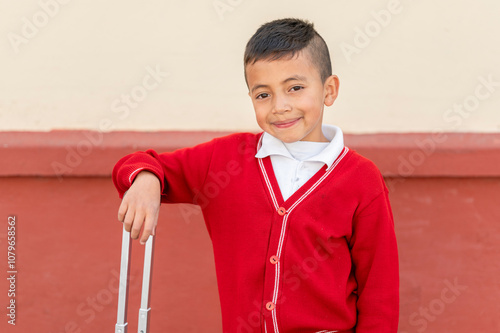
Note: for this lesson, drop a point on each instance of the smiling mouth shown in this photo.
(286, 123)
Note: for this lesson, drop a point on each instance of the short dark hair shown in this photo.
(285, 38)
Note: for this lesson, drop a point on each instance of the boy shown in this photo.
(301, 226)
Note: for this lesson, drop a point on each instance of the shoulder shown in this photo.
(363, 174)
(359, 163)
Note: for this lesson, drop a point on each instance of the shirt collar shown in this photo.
(269, 145)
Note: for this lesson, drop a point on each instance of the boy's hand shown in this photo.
(141, 205)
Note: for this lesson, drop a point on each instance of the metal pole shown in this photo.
(121, 321)
(145, 310)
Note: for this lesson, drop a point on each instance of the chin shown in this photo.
(288, 138)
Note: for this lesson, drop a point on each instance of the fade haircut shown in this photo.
(285, 38)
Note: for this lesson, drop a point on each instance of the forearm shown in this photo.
(129, 167)
(180, 173)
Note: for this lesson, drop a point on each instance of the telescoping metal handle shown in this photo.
(145, 310)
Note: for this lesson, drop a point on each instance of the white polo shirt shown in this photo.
(295, 163)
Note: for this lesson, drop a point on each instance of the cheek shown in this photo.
(308, 99)
(314, 103)
(260, 116)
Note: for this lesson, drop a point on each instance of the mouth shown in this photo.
(286, 123)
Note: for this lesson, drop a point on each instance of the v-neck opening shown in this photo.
(295, 195)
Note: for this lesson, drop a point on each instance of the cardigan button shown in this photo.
(281, 211)
(270, 306)
(274, 260)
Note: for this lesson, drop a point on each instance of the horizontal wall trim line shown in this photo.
(93, 154)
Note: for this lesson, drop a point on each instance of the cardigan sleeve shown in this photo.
(182, 173)
(375, 259)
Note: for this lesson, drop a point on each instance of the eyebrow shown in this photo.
(291, 78)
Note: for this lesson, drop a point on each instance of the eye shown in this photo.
(262, 96)
(296, 88)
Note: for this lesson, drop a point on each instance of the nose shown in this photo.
(281, 104)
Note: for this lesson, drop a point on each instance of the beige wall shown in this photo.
(423, 68)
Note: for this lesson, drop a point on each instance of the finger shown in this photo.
(149, 226)
(155, 221)
(137, 224)
(128, 220)
(122, 210)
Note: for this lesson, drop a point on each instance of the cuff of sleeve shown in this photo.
(134, 174)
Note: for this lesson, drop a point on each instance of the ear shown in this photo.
(331, 89)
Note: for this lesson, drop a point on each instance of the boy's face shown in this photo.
(289, 97)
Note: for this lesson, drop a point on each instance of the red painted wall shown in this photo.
(444, 193)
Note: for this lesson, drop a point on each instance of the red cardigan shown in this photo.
(325, 260)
